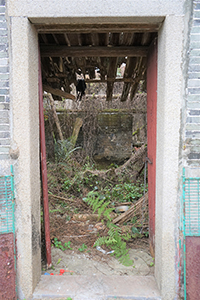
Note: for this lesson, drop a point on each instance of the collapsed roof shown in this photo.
(68, 50)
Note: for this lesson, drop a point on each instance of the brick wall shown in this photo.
(192, 132)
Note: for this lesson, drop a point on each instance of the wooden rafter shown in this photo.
(58, 92)
(112, 68)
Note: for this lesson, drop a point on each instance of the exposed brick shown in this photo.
(194, 112)
(3, 62)
(3, 32)
(2, 9)
(193, 120)
(4, 156)
(4, 83)
(194, 75)
(4, 135)
(193, 98)
(194, 68)
(2, 99)
(194, 52)
(193, 126)
(192, 82)
(4, 91)
(193, 134)
(197, 6)
(194, 156)
(4, 114)
(191, 105)
(194, 60)
(4, 149)
(4, 127)
(190, 91)
(4, 76)
(194, 37)
(196, 14)
(4, 106)
(4, 120)
(5, 142)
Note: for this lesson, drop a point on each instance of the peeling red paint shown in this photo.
(193, 267)
(7, 267)
(151, 136)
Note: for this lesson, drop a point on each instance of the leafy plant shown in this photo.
(58, 244)
(82, 248)
(115, 240)
(98, 203)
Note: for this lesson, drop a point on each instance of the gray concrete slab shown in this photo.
(80, 287)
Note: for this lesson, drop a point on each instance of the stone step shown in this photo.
(83, 287)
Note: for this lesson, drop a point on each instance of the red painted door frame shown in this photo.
(151, 136)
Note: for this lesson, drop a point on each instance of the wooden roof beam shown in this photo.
(58, 92)
(63, 51)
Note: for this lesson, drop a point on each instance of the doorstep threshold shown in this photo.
(96, 287)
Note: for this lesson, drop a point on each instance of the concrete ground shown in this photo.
(97, 263)
(99, 278)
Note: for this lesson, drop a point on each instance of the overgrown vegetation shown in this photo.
(76, 185)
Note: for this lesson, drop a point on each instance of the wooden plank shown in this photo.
(90, 28)
(58, 92)
(62, 51)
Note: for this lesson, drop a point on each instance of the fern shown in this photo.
(96, 203)
(114, 239)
